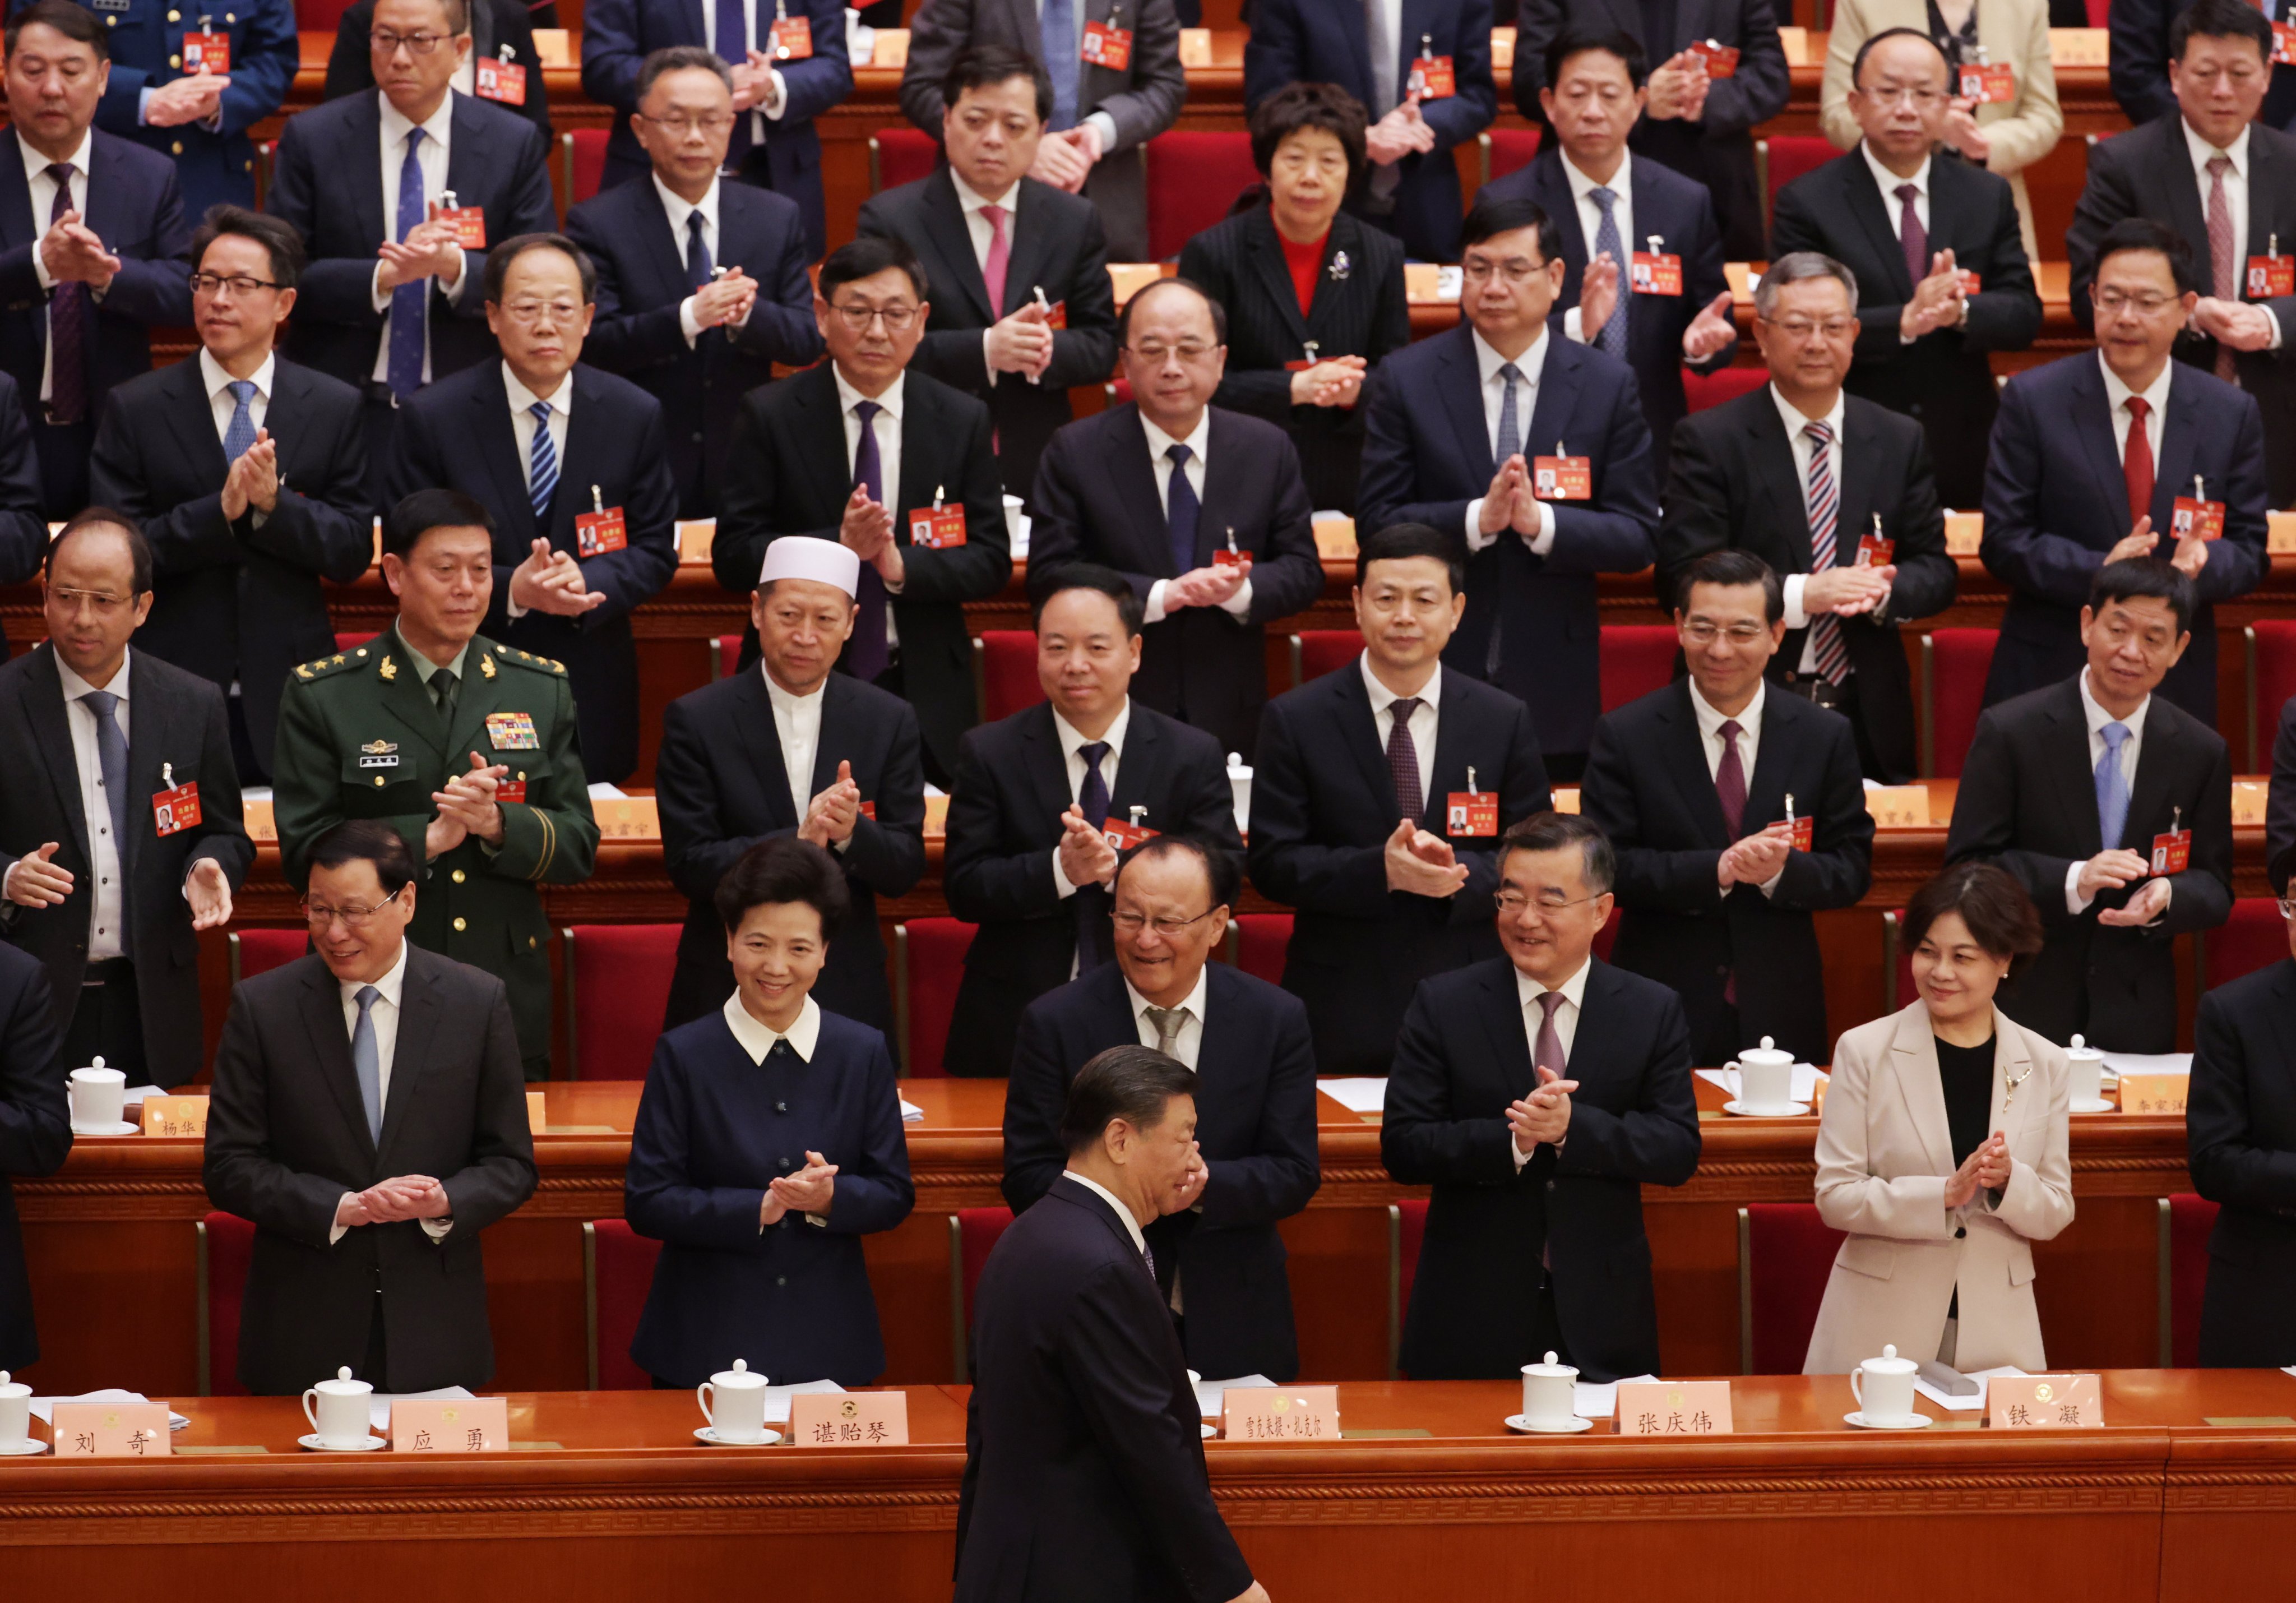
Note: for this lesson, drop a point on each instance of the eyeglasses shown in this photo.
(207, 283)
(1511, 903)
(2143, 306)
(421, 43)
(101, 603)
(1923, 99)
(530, 312)
(859, 317)
(2287, 906)
(1481, 271)
(683, 127)
(1698, 632)
(319, 916)
(1155, 352)
(1799, 329)
(1131, 923)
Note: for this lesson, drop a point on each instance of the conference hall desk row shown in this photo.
(112, 1245)
(2185, 1495)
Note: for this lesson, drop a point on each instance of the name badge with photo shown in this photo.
(176, 809)
(1721, 59)
(1560, 478)
(499, 80)
(936, 528)
(1432, 77)
(790, 38)
(1106, 46)
(2271, 276)
(1989, 83)
(207, 53)
(1655, 272)
(468, 222)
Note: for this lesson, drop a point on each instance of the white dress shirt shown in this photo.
(2235, 188)
(678, 210)
(1590, 225)
(522, 422)
(1566, 1025)
(43, 200)
(1072, 746)
(1711, 720)
(383, 1014)
(2097, 718)
(886, 426)
(107, 915)
(218, 381)
(1199, 443)
(776, 99)
(1805, 449)
(1888, 183)
(1425, 717)
(2155, 395)
(1533, 366)
(430, 159)
(757, 1039)
(1131, 1225)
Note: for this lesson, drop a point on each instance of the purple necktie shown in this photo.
(1913, 236)
(1403, 760)
(734, 49)
(1548, 1054)
(1092, 900)
(1730, 790)
(66, 325)
(867, 655)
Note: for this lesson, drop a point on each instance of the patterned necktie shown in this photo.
(1167, 1021)
(1386, 71)
(1403, 760)
(868, 653)
(1181, 510)
(410, 303)
(368, 1062)
(1911, 237)
(1611, 339)
(734, 47)
(66, 325)
(111, 762)
(2111, 787)
(698, 264)
(2223, 262)
(1092, 900)
(542, 468)
(1730, 779)
(1825, 506)
(1549, 1053)
(239, 437)
(1509, 442)
(1092, 795)
(2136, 459)
(1057, 34)
(1000, 258)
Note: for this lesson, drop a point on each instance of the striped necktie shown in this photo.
(542, 468)
(1825, 506)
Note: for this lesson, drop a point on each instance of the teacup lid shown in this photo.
(1550, 1371)
(737, 1378)
(1766, 1053)
(12, 1388)
(342, 1384)
(2084, 1051)
(1889, 1363)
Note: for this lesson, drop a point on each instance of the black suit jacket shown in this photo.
(240, 601)
(1734, 484)
(790, 472)
(175, 722)
(1359, 308)
(722, 787)
(1095, 502)
(1462, 1057)
(35, 1131)
(1084, 1473)
(327, 180)
(1322, 804)
(458, 432)
(641, 284)
(2148, 172)
(2139, 70)
(1681, 213)
(2280, 802)
(2028, 802)
(287, 1136)
(23, 520)
(1647, 785)
(2240, 1128)
(1056, 245)
(1255, 1122)
(1004, 831)
(1944, 379)
(493, 24)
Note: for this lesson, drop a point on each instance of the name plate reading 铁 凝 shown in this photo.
(1280, 1414)
(2044, 1402)
(849, 1420)
(1673, 1408)
(450, 1425)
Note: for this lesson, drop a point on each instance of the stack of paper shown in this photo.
(1364, 1094)
(41, 1405)
(1599, 1399)
(911, 1114)
(777, 1398)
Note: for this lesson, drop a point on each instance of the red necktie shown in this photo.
(1000, 258)
(2137, 460)
(1402, 755)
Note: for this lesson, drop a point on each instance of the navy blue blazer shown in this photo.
(35, 1130)
(2139, 65)
(1325, 42)
(641, 284)
(327, 180)
(1255, 1122)
(2240, 1128)
(1531, 627)
(1681, 213)
(619, 35)
(459, 432)
(712, 1129)
(2056, 501)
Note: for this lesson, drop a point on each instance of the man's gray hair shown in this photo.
(1799, 267)
(681, 58)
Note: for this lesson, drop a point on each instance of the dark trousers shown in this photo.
(63, 450)
(894, 681)
(1545, 1325)
(374, 1368)
(108, 1022)
(381, 424)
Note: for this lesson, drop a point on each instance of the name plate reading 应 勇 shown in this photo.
(1673, 1408)
(450, 1425)
(111, 1430)
(2044, 1402)
(1280, 1413)
(2158, 1096)
(176, 1116)
(849, 1420)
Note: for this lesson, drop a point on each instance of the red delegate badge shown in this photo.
(510, 790)
(1124, 835)
(1804, 828)
(1652, 272)
(2270, 275)
(1432, 77)
(1106, 46)
(1874, 548)
(468, 222)
(1471, 812)
(2197, 514)
(1561, 478)
(939, 527)
(2283, 44)
(1233, 557)
(1988, 82)
(207, 52)
(1721, 59)
(177, 807)
(499, 80)
(600, 530)
(2172, 851)
(790, 38)
(1970, 281)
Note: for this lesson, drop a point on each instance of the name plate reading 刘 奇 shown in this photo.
(849, 1420)
(111, 1430)
(1280, 1414)
(176, 1116)
(1673, 1408)
(450, 1425)
(2044, 1402)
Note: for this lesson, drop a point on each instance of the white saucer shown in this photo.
(1783, 1110)
(1523, 1422)
(709, 1433)
(317, 1443)
(29, 1447)
(1210, 1430)
(122, 1129)
(1909, 1422)
(2082, 1104)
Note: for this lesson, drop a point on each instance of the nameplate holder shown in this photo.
(1900, 806)
(849, 1420)
(2157, 1096)
(538, 1117)
(1673, 1408)
(439, 1425)
(1280, 1414)
(111, 1430)
(1964, 533)
(176, 1116)
(2044, 1402)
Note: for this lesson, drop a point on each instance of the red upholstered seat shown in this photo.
(320, 16)
(1511, 150)
(1406, 1230)
(254, 950)
(1260, 940)
(1789, 156)
(1637, 658)
(928, 966)
(1008, 672)
(1786, 1252)
(1607, 936)
(1706, 390)
(973, 1234)
(900, 155)
(1954, 662)
(1316, 651)
(2254, 937)
(1896, 962)
(227, 1245)
(617, 990)
(352, 640)
(727, 650)
(2185, 1222)
(585, 163)
(617, 1275)
(1193, 177)
(2271, 681)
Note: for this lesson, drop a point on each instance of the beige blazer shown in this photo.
(2013, 32)
(1884, 1155)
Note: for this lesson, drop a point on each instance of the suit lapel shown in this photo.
(921, 436)
(1137, 766)
(1134, 476)
(759, 736)
(410, 1058)
(1031, 249)
(151, 721)
(1873, 215)
(2093, 421)
(405, 693)
(1360, 730)
(1774, 465)
(952, 239)
(1502, 1022)
(1228, 473)
(1685, 756)
(488, 421)
(2172, 171)
(2162, 760)
(362, 166)
(665, 252)
(2178, 440)
(1558, 403)
(1765, 787)
(330, 1049)
(190, 417)
(823, 450)
(1913, 1059)
(2011, 1063)
(1048, 767)
(106, 194)
(43, 696)
(2068, 759)
(1462, 388)
(1853, 515)
(836, 704)
(1264, 249)
(18, 226)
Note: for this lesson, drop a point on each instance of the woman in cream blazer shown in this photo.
(2012, 134)
(1942, 1207)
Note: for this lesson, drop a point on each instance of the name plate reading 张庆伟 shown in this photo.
(1673, 1408)
(111, 1430)
(2044, 1402)
(849, 1420)
(450, 1425)
(1280, 1414)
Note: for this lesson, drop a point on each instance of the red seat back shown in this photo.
(2099, 12)
(1790, 156)
(1788, 1253)
(978, 1230)
(727, 650)
(617, 991)
(929, 958)
(1706, 390)
(227, 1244)
(900, 155)
(1607, 936)
(586, 164)
(1317, 651)
(352, 640)
(1193, 177)
(320, 16)
(1512, 150)
(619, 1270)
(1008, 672)
(1261, 940)
(1637, 658)
(255, 951)
(2191, 1218)
(1955, 663)
(2271, 681)
(2254, 937)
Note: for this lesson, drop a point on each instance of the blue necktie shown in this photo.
(111, 758)
(1510, 440)
(734, 47)
(239, 438)
(1092, 900)
(698, 264)
(2111, 787)
(868, 653)
(1180, 511)
(542, 468)
(368, 1063)
(1611, 339)
(1057, 33)
(410, 303)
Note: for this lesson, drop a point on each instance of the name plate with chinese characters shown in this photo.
(537, 1114)
(1281, 1414)
(450, 1425)
(1673, 1408)
(1900, 806)
(111, 1430)
(2158, 1096)
(176, 1116)
(849, 1420)
(2044, 1402)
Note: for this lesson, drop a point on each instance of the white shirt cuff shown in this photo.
(776, 99)
(1107, 126)
(1770, 886)
(1238, 606)
(1515, 1149)
(2271, 344)
(819, 1221)
(1574, 326)
(462, 281)
(40, 266)
(989, 363)
(687, 321)
(1797, 616)
(382, 295)
(143, 105)
(1153, 611)
(437, 1228)
(340, 1230)
(511, 609)
(1476, 538)
(2075, 902)
(1062, 886)
(1542, 542)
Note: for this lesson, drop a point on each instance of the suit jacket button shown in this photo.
(175, 61)
(780, 1108)
(175, 16)
(1959, 1231)
(697, 440)
(461, 924)
(781, 1280)
(175, 148)
(459, 876)
(1550, 1185)
(529, 943)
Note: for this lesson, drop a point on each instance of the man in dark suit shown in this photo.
(791, 748)
(1705, 105)
(1084, 1475)
(1355, 804)
(574, 466)
(1235, 545)
(1044, 799)
(106, 886)
(1424, 76)
(1102, 116)
(684, 256)
(1220, 1261)
(894, 464)
(367, 1207)
(2143, 33)
(34, 1133)
(2280, 803)
(191, 454)
(392, 299)
(1612, 209)
(1700, 786)
(2112, 807)
(1457, 435)
(2242, 1137)
(2226, 185)
(88, 267)
(1909, 225)
(1538, 1093)
(1026, 309)
(2098, 460)
(1835, 493)
(502, 32)
(788, 69)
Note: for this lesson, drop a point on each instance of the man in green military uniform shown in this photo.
(463, 746)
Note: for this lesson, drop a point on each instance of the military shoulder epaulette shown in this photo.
(512, 657)
(320, 667)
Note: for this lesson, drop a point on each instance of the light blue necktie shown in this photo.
(1611, 339)
(542, 468)
(239, 438)
(368, 1063)
(2111, 787)
(111, 758)
(1057, 34)
(410, 303)
(1510, 440)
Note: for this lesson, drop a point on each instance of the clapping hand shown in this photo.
(1085, 855)
(73, 254)
(1402, 132)
(34, 881)
(725, 299)
(392, 1201)
(1987, 1169)
(1712, 330)
(195, 97)
(1423, 864)
(1939, 301)
(1333, 381)
(809, 1190)
(1021, 342)
(1215, 585)
(550, 580)
(832, 814)
(2148, 904)
(1758, 859)
(210, 894)
(253, 479)
(468, 806)
(1543, 1115)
